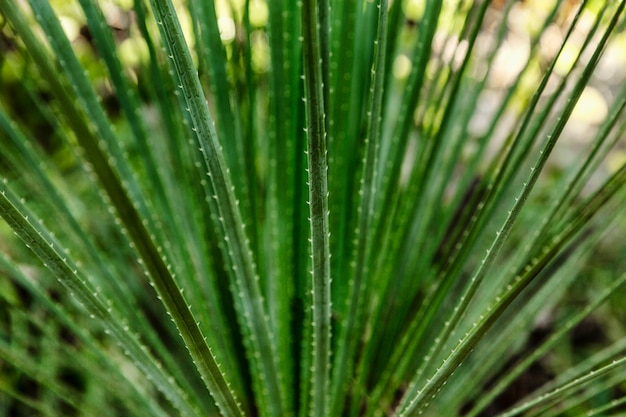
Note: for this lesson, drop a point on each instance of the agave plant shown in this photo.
(312, 208)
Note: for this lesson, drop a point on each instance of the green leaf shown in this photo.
(315, 41)
(348, 333)
(44, 246)
(261, 347)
